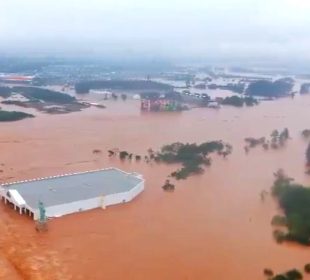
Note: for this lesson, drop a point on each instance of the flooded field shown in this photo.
(214, 226)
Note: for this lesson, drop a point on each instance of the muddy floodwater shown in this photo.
(214, 226)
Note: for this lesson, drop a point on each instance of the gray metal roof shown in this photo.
(73, 187)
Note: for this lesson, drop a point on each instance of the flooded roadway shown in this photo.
(214, 226)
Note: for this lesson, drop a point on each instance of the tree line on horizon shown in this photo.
(265, 88)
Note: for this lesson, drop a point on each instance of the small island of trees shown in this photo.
(277, 139)
(192, 156)
(239, 101)
(168, 187)
(9, 116)
(292, 274)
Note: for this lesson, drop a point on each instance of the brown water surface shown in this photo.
(214, 226)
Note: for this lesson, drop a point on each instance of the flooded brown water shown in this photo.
(214, 226)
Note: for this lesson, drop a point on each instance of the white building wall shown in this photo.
(83, 205)
(135, 191)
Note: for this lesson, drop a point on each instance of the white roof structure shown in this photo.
(74, 192)
(16, 197)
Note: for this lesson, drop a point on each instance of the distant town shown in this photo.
(63, 87)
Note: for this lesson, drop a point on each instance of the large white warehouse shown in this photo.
(70, 193)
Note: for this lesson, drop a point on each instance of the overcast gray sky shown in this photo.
(271, 28)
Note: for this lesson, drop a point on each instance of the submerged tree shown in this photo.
(268, 272)
(307, 268)
(279, 277)
(253, 142)
(123, 155)
(168, 186)
(263, 195)
(284, 135)
(308, 155)
(294, 274)
(274, 136)
(306, 133)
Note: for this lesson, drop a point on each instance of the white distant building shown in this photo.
(136, 97)
(214, 104)
(103, 92)
(71, 193)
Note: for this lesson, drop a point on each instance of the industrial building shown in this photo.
(157, 102)
(71, 193)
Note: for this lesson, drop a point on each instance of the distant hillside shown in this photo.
(139, 85)
(278, 88)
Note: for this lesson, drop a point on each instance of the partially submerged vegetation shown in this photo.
(268, 272)
(277, 139)
(253, 142)
(9, 116)
(308, 155)
(292, 274)
(168, 186)
(124, 155)
(307, 268)
(192, 156)
(294, 200)
(239, 101)
(305, 88)
(306, 133)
